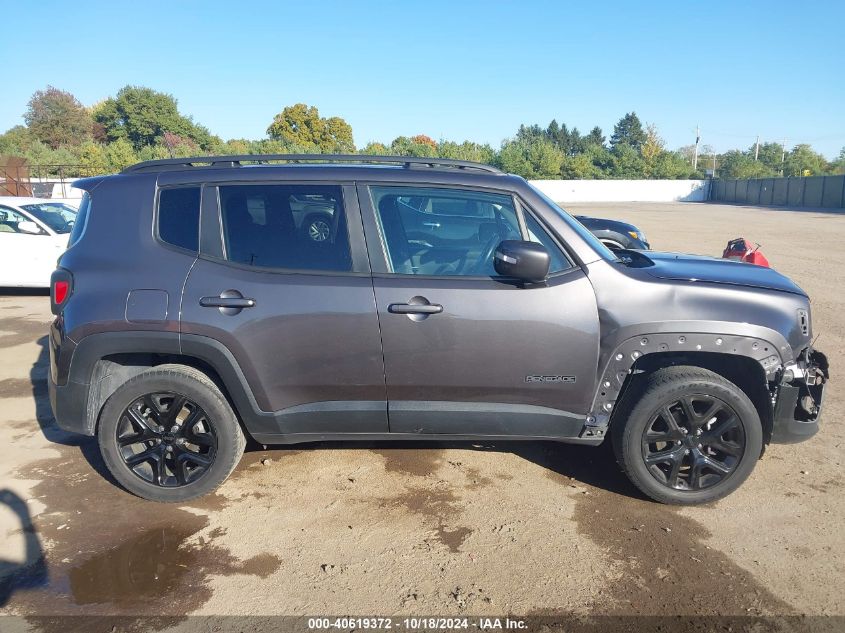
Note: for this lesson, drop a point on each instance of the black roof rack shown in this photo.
(238, 159)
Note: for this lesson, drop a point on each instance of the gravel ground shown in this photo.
(445, 528)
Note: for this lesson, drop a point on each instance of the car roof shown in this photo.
(17, 201)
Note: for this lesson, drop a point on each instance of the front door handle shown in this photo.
(230, 302)
(407, 308)
(417, 308)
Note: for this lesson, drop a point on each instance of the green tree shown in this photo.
(626, 162)
(769, 154)
(595, 137)
(374, 148)
(56, 117)
(17, 141)
(628, 131)
(838, 166)
(803, 161)
(142, 116)
(467, 151)
(651, 150)
(404, 146)
(120, 155)
(534, 158)
(737, 164)
(302, 125)
(92, 159)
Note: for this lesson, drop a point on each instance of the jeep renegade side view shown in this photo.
(298, 298)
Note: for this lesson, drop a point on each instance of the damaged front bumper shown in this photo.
(799, 396)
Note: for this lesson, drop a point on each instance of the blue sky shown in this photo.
(458, 70)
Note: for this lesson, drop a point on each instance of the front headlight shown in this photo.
(638, 235)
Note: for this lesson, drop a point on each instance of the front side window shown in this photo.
(435, 231)
(537, 233)
(299, 227)
(10, 220)
(179, 217)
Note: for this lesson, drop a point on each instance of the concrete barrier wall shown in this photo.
(624, 190)
(811, 191)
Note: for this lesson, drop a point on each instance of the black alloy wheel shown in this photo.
(166, 439)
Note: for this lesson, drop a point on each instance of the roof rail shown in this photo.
(238, 159)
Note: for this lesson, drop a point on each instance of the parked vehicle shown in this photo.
(614, 234)
(33, 233)
(448, 300)
(741, 250)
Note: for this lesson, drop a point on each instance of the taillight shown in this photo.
(61, 287)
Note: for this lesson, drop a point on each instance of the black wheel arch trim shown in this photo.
(769, 352)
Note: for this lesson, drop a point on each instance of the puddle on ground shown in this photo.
(667, 567)
(411, 461)
(151, 565)
(22, 387)
(18, 331)
(113, 553)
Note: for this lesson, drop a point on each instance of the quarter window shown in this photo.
(300, 227)
(179, 217)
(434, 231)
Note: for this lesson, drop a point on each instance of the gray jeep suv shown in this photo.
(444, 299)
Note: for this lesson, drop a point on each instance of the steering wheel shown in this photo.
(486, 255)
(490, 246)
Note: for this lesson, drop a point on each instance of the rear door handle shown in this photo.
(230, 302)
(410, 308)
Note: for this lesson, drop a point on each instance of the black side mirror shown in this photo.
(528, 261)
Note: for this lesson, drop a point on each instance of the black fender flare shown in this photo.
(619, 363)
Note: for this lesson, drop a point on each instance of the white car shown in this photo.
(33, 233)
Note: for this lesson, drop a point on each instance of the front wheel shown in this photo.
(169, 434)
(687, 436)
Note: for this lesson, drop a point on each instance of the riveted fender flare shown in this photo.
(764, 345)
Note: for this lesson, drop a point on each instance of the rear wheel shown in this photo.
(687, 435)
(169, 434)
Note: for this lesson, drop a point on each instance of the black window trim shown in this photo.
(221, 257)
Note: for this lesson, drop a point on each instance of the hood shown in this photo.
(600, 224)
(711, 270)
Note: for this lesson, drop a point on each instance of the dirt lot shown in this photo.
(447, 529)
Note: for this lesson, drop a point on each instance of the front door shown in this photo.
(294, 307)
(464, 351)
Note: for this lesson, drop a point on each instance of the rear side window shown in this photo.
(179, 217)
(298, 227)
(81, 220)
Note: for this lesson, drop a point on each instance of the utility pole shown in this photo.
(695, 154)
(757, 148)
(782, 155)
(714, 163)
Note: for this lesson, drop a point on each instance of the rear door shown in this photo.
(465, 351)
(297, 313)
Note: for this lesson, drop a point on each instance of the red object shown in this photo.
(741, 250)
(60, 291)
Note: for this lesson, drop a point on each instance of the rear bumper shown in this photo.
(799, 402)
(70, 406)
(68, 398)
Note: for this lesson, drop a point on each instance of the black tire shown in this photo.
(705, 456)
(220, 441)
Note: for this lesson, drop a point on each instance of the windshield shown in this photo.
(58, 216)
(582, 230)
